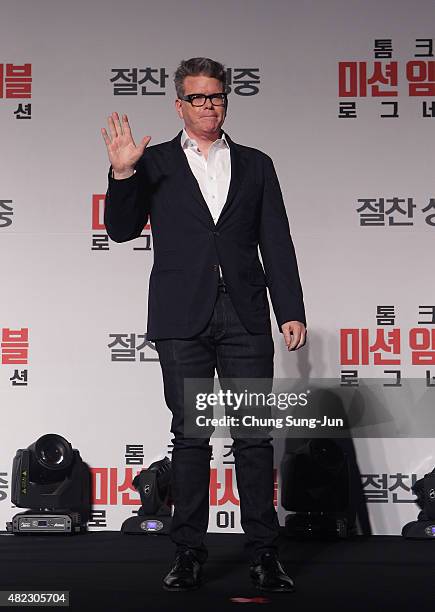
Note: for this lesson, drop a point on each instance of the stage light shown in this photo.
(154, 516)
(424, 527)
(315, 487)
(50, 478)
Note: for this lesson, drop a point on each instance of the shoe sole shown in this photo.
(192, 588)
(269, 590)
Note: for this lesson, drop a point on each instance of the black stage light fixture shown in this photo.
(50, 478)
(424, 527)
(154, 515)
(315, 486)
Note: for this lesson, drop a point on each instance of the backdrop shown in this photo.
(341, 95)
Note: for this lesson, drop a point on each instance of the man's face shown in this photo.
(206, 119)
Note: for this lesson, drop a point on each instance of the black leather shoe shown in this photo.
(185, 574)
(268, 574)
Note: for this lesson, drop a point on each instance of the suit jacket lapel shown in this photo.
(187, 180)
(238, 175)
(186, 176)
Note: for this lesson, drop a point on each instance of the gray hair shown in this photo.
(196, 66)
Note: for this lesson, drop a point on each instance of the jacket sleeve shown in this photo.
(278, 253)
(128, 204)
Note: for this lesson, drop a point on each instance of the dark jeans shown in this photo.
(224, 345)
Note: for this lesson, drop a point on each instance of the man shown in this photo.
(211, 203)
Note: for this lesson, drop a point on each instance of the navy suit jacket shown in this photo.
(189, 246)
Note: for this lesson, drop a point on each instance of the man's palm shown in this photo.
(121, 148)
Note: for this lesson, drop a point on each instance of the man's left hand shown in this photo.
(294, 334)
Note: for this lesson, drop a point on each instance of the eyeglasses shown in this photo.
(217, 99)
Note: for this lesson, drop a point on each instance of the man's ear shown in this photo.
(179, 108)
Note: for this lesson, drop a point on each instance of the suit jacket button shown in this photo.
(216, 233)
(215, 268)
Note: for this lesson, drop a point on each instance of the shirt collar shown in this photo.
(187, 142)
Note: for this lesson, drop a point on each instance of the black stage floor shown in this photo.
(110, 571)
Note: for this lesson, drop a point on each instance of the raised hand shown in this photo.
(121, 148)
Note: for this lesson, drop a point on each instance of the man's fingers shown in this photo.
(117, 123)
(294, 336)
(294, 339)
(112, 127)
(106, 137)
(290, 338)
(143, 143)
(301, 340)
(287, 335)
(126, 128)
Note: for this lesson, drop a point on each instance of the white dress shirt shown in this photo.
(213, 174)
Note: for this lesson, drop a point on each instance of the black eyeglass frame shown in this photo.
(191, 97)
